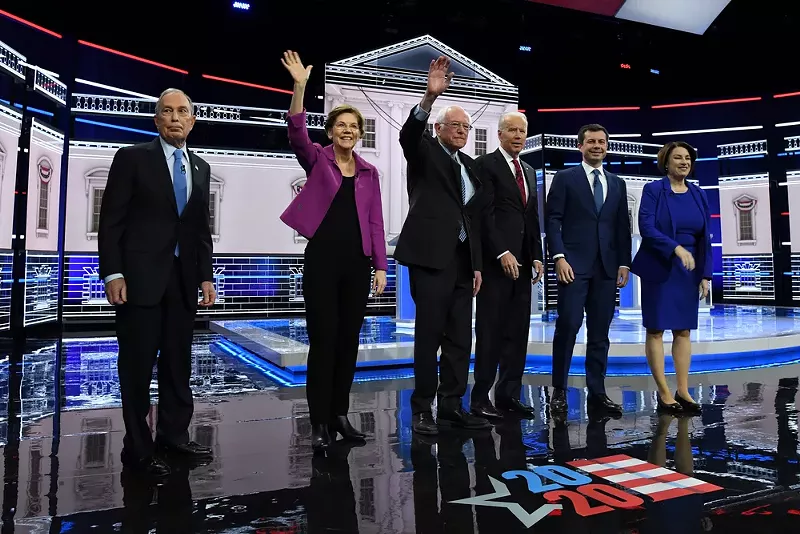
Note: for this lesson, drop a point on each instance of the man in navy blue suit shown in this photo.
(588, 234)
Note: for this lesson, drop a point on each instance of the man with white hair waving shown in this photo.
(441, 246)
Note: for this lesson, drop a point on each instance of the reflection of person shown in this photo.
(440, 244)
(512, 246)
(339, 212)
(154, 243)
(674, 263)
(589, 237)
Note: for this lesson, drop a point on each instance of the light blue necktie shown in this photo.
(598, 191)
(179, 185)
(462, 234)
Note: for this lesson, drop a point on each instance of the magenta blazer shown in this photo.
(324, 178)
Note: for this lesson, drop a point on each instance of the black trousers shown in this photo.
(336, 290)
(144, 332)
(596, 293)
(502, 323)
(443, 300)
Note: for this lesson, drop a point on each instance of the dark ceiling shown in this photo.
(574, 60)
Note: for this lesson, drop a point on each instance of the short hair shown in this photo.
(341, 110)
(590, 128)
(666, 151)
(440, 117)
(504, 116)
(165, 92)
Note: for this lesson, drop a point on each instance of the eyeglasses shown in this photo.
(458, 126)
(182, 112)
(342, 126)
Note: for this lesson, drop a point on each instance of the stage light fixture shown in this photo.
(524, 48)
(709, 130)
(244, 6)
(655, 71)
(625, 66)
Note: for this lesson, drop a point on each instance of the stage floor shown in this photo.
(728, 337)
(733, 470)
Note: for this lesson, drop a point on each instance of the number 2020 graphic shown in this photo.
(608, 496)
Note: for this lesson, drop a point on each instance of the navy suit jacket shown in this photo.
(576, 230)
(653, 262)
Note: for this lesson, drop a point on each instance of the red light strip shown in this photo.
(624, 108)
(715, 216)
(784, 95)
(785, 213)
(707, 102)
(521, 110)
(131, 56)
(29, 23)
(247, 84)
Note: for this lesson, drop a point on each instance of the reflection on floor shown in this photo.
(735, 469)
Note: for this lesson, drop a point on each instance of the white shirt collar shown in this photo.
(588, 169)
(509, 157)
(169, 150)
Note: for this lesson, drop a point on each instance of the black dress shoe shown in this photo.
(151, 465)
(602, 401)
(558, 403)
(319, 437)
(671, 408)
(424, 424)
(342, 426)
(461, 419)
(190, 448)
(689, 406)
(515, 406)
(486, 410)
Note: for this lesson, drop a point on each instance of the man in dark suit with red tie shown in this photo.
(512, 248)
(155, 247)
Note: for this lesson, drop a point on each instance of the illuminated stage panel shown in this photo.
(730, 337)
(41, 287)
(246, 285)
(748, 277)
(6, 265)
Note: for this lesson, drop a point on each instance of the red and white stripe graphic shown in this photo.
(656, 482)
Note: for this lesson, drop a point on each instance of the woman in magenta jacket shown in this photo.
(339, 211)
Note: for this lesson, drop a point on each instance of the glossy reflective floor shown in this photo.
(735, 469)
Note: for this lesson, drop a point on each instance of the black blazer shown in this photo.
(430, 232)
(575, 229)
(140, 226)
(507, 224)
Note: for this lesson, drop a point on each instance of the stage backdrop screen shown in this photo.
(10, 125)
(41, 271)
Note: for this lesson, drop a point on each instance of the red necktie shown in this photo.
(520, 182)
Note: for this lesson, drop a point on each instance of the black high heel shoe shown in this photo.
(689, 406)
(320, 439)
(672, 408)
(342, 425)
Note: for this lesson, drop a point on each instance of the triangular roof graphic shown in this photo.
(416, 55)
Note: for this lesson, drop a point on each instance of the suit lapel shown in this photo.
(530, 179)
(197, 180)
(611, 194)
(583, 185)
(161, 172)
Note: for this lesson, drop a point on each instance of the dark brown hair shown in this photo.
(339, 110)
(666, 151)
(590, 128)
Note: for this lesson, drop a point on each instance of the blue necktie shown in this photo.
(179, 185)
(462, 234)
(598, 191)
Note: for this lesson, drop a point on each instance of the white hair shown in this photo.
(165, 92)
(442, 115)
(502, 122)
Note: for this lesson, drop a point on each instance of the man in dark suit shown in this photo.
(589, 237)
(512, 247)
(440, 244)
(155, 251)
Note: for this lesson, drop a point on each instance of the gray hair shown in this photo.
(502, 122)
(165, 92)
(442, 115)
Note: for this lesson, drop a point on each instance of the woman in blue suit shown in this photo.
(674, 265)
